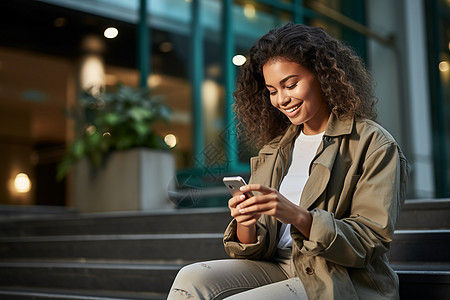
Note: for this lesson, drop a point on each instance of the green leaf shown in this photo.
(78, 149)
(112, 119)
(93, 140)
(125, 142)
(139, 114)
(142, 129)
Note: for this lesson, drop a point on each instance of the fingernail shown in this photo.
(241, 211)
(242, 197)
(238, 207)
(242, 188)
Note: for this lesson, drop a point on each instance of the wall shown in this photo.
(400, 74)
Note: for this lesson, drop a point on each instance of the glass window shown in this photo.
(438, 29)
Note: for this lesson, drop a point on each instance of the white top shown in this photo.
(305, 148)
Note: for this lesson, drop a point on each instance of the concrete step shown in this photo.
(408, 246)
(426, 246)
(24, 211)
(89, 276)
(415, 283)
(425, 214)
(189, 247)
(43, 221)
(25, 293)
(206, 220)
(424, 281)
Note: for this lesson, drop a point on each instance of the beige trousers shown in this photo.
(239, 279)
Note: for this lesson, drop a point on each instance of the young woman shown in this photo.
(328, 182)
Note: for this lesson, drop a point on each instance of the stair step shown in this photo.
(27, 211)
(89, 276)
(425, 246)
(205, 220)
(408, 245)
(425, 214)
(424, 284)
(25, 293)
(196, 246)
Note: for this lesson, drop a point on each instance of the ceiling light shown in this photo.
(444, 66)
(111, 32)
(239, 60)
(22, 183)
(171, 140)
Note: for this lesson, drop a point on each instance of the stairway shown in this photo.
(420, 252)
(105, 256)
(136, 255)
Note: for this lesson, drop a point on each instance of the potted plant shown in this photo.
(121, 162)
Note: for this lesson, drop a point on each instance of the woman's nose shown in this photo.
(283, 99)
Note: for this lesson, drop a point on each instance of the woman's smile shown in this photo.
(293, 109)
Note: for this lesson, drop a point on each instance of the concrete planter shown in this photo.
(136, 179)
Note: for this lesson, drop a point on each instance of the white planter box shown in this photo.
(136, 179)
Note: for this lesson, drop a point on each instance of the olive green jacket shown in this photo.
(354, 192)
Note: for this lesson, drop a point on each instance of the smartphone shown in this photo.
(234, 183)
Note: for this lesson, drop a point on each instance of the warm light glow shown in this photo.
(166, 47)
(154, 80)
(111, 32)
(22, 183)
(210, 97)
(239, 60)
(111, 79)
(171, 140)
(90, 130)
(444, 66)
(93, 44)
(249, 10)
(60, 22)
(92, 74)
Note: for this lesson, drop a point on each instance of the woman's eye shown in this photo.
(273, 93)
(292, 86)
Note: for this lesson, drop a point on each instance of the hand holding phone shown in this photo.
(234, 183)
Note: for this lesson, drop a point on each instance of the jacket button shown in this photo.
(309, 271)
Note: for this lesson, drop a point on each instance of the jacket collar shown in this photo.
(337, 127)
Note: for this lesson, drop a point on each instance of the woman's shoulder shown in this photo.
(358, 129)
(370, 128)
(373, 136)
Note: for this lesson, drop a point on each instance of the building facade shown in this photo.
(190, 51)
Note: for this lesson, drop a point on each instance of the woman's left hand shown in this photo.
(271, 202)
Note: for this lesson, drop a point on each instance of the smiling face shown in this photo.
(296, 92)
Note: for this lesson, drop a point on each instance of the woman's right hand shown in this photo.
(242, 219)
(246, 228)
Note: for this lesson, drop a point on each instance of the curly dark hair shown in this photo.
(345, 82)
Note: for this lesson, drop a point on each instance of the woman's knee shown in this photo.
(193, 272)
(193, 281)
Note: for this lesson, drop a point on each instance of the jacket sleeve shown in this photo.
(261, 250)
(367, 232)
